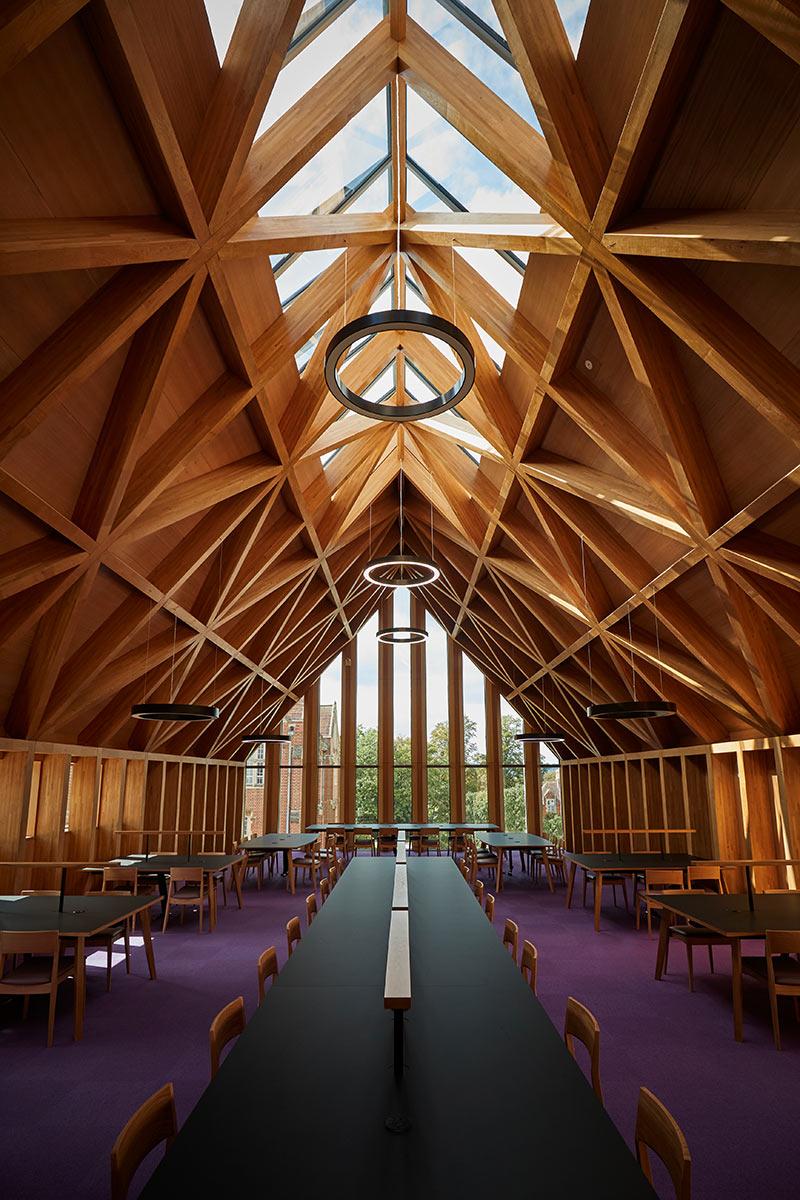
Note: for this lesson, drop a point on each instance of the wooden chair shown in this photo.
(154, 1122)
(122, 880)
(557, 866)
(324, 890)
(414, 841)
(365, 838)
(387, 841)
(479, 889)
(227, 1025)
(528, 964)
(267, 969)
(455, 842)
(581, 1024)
(239, 871)
(308, 862)
(38, 975)
(511, 937)
(705, 879)
(782, 977)
(333, 877)
(490, 907)
(191, 891)
(690, 935)
(657, 1130)
(660, 880)
(430, 839)
(311, 907)
(606, 879)
(294, 933)
(464, 869)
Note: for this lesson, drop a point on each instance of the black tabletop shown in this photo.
(731, 916)
(407, 825)
(82, 915)
(631, 862)
(471, 1011)
(160, 864)
(514, 841)
(281, 841)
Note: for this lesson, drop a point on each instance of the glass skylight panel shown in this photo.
(484, 62)
(485, 10)
(304, 353)
(354, 149)
(326, 458)
(382, 386)
(222, 17)
(496, 351)
(417, 388)
(453, 161)
(319, 56)
(497, 272)
(420, 196)
(573, 15)
(374, 198)
(303, 271)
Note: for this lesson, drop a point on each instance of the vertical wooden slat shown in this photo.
(455, 710)
(16, 770)
(494, 743)
(533, 787)
(419, 718)
(385, 716)
(310, 801)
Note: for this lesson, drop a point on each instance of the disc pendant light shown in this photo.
(399, 570)
(256, 738)
(403, 320)
(635, 709)
(171, 710)
(402, 635)
(548, 733)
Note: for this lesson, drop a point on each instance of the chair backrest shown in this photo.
(113, 877)
(528, 964)
(657, 1130)
(25, 942)
(311, 907)
(333, 877)
(479, 892)
(267, 969)
(294, 933)
(511, 936)
(324, 890)
(464, 869)
(663, 878)
(580, 1023)
(490, 907)
(154, 1122)
(704, 875)
(186, 875)
(227, 1024)
(782, 941)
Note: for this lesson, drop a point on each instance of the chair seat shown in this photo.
(100, 939)
(189, 891)
(696, 933)
(787, 970)
(305, 862)
(36, 971)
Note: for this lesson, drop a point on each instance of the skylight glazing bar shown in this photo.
(475, 25)
(313, 23)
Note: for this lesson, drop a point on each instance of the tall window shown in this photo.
(476, 800)
(438, 728)
(367, 723)
(329, 745)
(402, 711)
(550, 778)
(253, 817)
(514, 809)
(290, 804)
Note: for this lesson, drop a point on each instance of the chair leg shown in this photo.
(773, 1008)
(127, 951)
(637, 908)
(51, 1016)
(224, 891)
(711, 958)
(26, 1004)
(690, 965)
(166, 914)
(585, 885)
(649, 920)
(108, 965)
(625, 894)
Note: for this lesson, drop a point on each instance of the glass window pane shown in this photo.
(328, 800)
(552, 824)
(495, 269)
(303, 271)
(367, 695)
(476, 795)
(438, 795)
(514, 813)
(330, 694)
(474, 714)
(436, 697)
(374, 198)
(290, 804)
(253, 812)
(402, 793)
(366, 794)
(573, 14)
(482, 60)
(402, 684)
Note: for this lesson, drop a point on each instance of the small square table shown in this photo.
(83, 917)
(161, 864)
(285, 842)
(500, 842)
(619, 864)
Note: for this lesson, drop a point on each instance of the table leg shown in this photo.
(80, 986)
(598, 899)
(736, 988)
(148, 942)
(212, 904)
(663, 938)
(499, 869)
(237, 883)
(162, 887)
(548, 874)
(573, 870)
(291, 874)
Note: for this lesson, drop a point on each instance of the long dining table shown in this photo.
(80, 918)
(310, 1083)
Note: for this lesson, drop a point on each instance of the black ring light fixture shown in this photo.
(408, 321)
(542, 736)
(266, 739)
(175, 712)
(402, 635)
(414, 572)
(627, 710)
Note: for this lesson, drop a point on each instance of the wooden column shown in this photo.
(310, 755)
(455, 708)
(385, 716)
(347, 771)
(419, 719)
(533, 784)
(272, 787)
(494, 754)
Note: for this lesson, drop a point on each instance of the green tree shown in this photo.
(366, 774)
(515, 813)
(439, 775)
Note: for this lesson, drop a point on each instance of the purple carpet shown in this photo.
(737, 1103)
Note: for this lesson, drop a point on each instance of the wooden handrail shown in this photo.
(639, 831)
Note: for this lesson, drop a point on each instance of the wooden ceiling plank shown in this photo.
(34, 562)
(716, 235)
(25, 24)
(776, 20)
(79, 243)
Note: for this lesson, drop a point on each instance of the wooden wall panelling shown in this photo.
(235, 806)
(210, 813)
(653, 803)
(757, 770)
(622, 817)
(787, 761)
(153, 801)
(134, 806)
(608, 816)
(111, 808)
(694, 779)
(49, 841)
(186, 793)
(728, 813)
(636, 804)
(16, 770)
(674, 804)
(82, 809)
(169, 842)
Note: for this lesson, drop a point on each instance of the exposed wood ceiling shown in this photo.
(167, 520)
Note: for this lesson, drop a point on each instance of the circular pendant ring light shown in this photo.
(542, 736)
(408, 321)
(414, 572)
(267, 739)
(638, 710)
(175, 712)
(402, 635)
